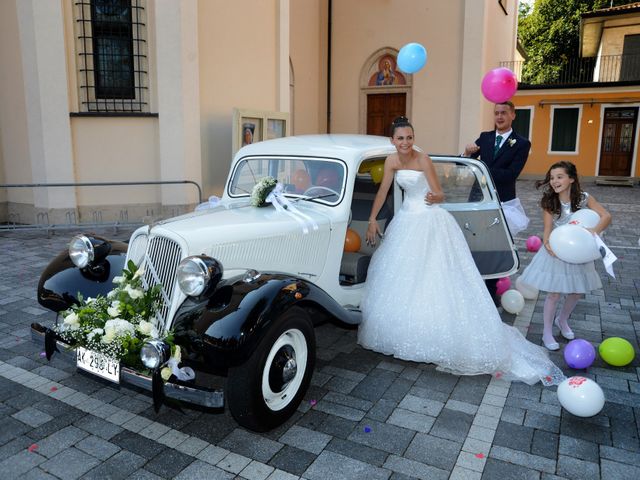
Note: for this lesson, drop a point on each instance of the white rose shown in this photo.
(134, 293)
(138, 274)
(114, 309)
(177, 354)
(117, 280)
(72, 321)
(96, 331)
(109, 335)
(145, 328)
(112, 293)
(165, 373)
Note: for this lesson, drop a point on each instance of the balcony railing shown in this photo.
(619, 69)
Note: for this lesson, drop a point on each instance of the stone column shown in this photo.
(176, 34)
(46, 99)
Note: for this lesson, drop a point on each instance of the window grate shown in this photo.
(112, 55)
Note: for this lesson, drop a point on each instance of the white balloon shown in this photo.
(512, 301)
(528, 291)
(574, 244)
(581, 396)
(585, 217)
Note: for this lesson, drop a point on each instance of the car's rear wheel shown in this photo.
(266, 390)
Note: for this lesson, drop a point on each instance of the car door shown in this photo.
(471, 198)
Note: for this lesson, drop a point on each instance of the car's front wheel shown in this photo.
(266, 390)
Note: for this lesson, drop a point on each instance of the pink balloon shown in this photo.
(533, 243)
(503, 285)
(499, 85)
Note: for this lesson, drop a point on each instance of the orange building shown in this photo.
(590, 114)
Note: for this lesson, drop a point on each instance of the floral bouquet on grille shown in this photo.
(116, 325)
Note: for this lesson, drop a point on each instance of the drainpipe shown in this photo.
(329, 15)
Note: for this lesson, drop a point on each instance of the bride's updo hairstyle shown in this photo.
(400, 122)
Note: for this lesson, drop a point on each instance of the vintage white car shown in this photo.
(243, 287)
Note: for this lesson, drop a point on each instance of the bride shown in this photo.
(425, 299)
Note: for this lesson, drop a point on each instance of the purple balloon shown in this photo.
(579, 354)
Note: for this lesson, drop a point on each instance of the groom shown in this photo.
(504, 152)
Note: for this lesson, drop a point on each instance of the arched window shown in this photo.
(385, 92)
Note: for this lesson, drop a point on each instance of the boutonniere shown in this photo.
(512, 142)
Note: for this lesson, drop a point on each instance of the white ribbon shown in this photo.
(516, 217)
(282, 204)
(184, 373)
(211, 203)
(607, 257)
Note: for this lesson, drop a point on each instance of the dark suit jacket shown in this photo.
(508, 162)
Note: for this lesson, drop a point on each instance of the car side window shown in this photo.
(461, 183)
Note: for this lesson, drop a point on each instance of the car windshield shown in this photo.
(320, 180)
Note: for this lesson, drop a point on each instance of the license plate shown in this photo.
(98, 364)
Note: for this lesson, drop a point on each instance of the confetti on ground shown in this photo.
(367, 429)
(32, 447)
(498, 374)
(43, 354)
(313, 402)
(547, 378)
(53, 389)
(479, 455)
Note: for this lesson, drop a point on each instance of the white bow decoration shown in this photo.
(282, 204)
(184, 373)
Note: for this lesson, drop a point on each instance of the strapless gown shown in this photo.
(425, 300)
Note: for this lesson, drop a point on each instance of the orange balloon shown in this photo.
(301, 179)
(352, 241)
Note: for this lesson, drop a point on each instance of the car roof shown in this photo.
(343, 146)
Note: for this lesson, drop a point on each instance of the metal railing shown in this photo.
(42, 218)
(579, 71)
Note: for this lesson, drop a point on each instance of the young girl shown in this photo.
(561, 197)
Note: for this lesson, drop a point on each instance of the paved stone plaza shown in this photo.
(366, 416)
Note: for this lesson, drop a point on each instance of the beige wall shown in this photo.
(99, 158)
(14, 142)
(219, 55)
(308, 50)
(612, 41)
(464, 39)
(238, 62)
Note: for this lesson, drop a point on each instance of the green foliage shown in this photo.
(550, 34)
(118, 324)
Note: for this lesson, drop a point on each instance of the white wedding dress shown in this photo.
(425, 300)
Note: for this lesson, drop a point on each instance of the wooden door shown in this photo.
(382, 109)
(618, 141)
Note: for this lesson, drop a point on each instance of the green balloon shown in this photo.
(616, 351)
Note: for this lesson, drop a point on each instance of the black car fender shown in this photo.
(225, 329)
(61, 281)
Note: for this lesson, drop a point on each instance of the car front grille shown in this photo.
(160, 263)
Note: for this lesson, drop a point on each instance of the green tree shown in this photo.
(550, 34)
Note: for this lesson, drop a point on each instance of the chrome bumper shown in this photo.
(211, 398)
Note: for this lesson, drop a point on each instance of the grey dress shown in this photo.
(550, 274)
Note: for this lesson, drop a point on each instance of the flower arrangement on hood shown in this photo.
(261, 191)
(117, 324)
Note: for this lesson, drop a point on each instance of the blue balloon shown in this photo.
(412, 57)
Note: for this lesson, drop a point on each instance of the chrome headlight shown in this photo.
(193, 276)
(81, 251)
(198, 274)
(154, 353)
